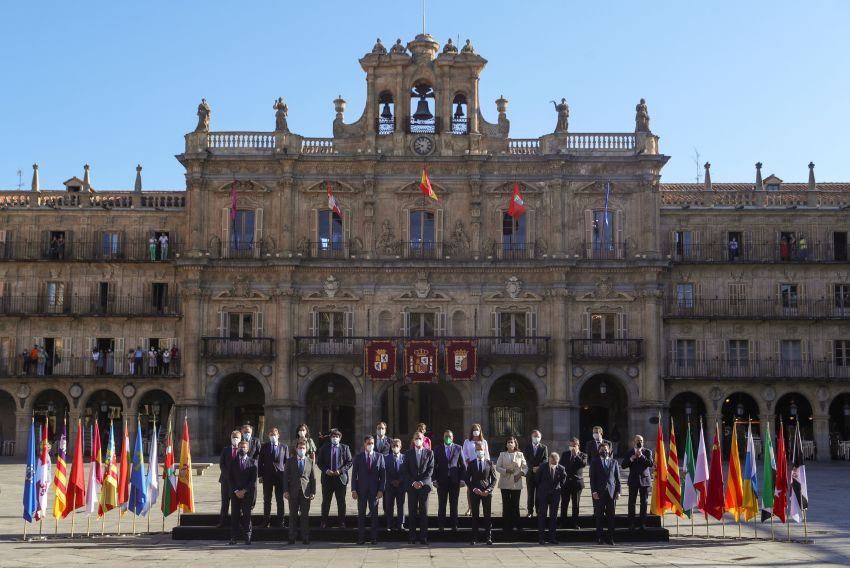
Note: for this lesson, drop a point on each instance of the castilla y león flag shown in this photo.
(516, 207)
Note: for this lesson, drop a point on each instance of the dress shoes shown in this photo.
(232, 542)
(489, 540)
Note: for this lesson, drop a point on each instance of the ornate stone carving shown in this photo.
(450, 47)
(641, 117)
(387, 243)
(467, 48)
(460, 242)
(398, 48)
(513, 287)
(203, 117)
(603, 288)
(563, 110)
(303, 246)
(379, 48)
(540, 247)
(240, 288)
(281, 112)
(422, 286)
(331, 286)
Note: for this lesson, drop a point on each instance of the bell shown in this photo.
(422, 110)
(459, 111)
(386, 114)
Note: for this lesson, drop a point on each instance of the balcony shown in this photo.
(607, 349)
(718, 369)
(238, 348)
(756, 253)
(95, 305)
(488, 346)
(604, 250)
(115, 365)
(76, 250)
(720, 308)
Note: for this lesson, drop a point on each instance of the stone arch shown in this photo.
(8, 406)
(85, 399)
(512, 407)
(793, 407)
(605, 399)
(839, 422)
(627, 382)
(459, 320)
(305, 383)
(485, 384)
(214, 384)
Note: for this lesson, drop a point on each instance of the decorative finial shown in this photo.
(759, 182)
(35, 184)
(812, 185)
(398, 48)
(137, 187)
(379, 48)
(86, 178)
(708, 176)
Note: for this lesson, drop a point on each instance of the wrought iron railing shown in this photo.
(607, 349)
(238, 348)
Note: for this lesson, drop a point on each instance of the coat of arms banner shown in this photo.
(420, 362)
(380, 360)
(461, 360)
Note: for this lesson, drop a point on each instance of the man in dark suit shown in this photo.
(550, 482)
(243, 490)
(535, 454)
(396, 488)
(382, 441)
(639, 462)
(368, 481)
(272, 464)
(481, 479)
(228, 455)
(592, 447)
(418, 468)
(605, 488)
(574, 462)
(449, 475)
(334, 461)
(254, 443)
(300, 490)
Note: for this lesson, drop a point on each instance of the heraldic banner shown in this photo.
(461, 360)
(380, 360)
(420, 362)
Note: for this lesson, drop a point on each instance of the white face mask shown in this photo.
(597, 436)
(510, 446)
(396, 450)
(235, 441)
(480, 454)
(476, 433)
(273, 439)
(370, 447)
(417, 442)
(302, 433)
(247, 436)
(535, 439)
(335, 441)
(300, 452)
(381, 432)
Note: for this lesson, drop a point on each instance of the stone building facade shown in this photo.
(614, 298)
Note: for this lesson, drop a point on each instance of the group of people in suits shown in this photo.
(384, 471)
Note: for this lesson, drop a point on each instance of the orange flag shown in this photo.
(660, 503)
(76, 496)
(425, 184)
(734, 501)
(185, 493)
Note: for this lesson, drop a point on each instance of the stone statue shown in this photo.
(398, 48)
(460, 240)
(641, 117)
(379, 48)
(280, 115)
(386, 241)
(468, 48)
(450, 47)
(203, 117)
(563, 111)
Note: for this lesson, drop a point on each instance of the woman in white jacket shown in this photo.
(512, 467)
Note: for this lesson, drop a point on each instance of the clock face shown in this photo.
(423, 145)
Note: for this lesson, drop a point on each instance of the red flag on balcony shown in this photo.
(380, 360)
(420, 362)
(461, 360)
(233, 201)
(516, 208)
(332, 204)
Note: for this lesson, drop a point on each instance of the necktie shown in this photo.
(300, 466)
(369, 461)
(448, 452)
(233, 453)
(552, 471)
(333, 458)
(275, 450)
(242, 464)
(418, 455)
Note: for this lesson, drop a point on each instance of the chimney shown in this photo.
(35, 185)
(759, 182)
(708, 176)
(87, 178)
(137, 187)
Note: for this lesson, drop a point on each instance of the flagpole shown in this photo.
(134, 523)
(739, 524)
(677, 525)
(723, 525)
(25, 529)
(805, 524)
(56, 528)
(103, 523)
(772, 530)
(40, 526)
(73, 515)
(88, 525)
(119, 520)
(692, 522)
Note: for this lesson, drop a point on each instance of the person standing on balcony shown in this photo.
(42, 361)
(152, 248)
(733, 249)
(163, 247)
(97, 361)
(152, 361)
(166, 361)
(175, 354)
(803, 247)
(139, 356)
(60, 247)
(109, 363)
(131, 361)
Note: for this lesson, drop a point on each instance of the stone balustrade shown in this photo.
(61, 199)
(318, 146)
(738, 198)
(241, 140)
(600, 141)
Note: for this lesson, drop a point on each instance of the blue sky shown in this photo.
(116, 83)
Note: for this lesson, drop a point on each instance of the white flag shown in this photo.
(153, 475)
(701, 473)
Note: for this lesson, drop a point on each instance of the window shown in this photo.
(243, 230)
(56, 245)
(686, 352)
(330, 325)
(603, 234)
(421, 324)
(788, 296)
(603, 326)
(103, 298)
(55, 296)
(422, 233)
(791, 352)
(773, 187)
(841, 297)
(513, 233)
(330, 234)
(159, 297)
(839, 245)
(841, 353)
(684, 244)
(685, 295)
(737, 354)
(109, 246)
(240, 325)
(787, 245)
(512, 325)
(737, 293)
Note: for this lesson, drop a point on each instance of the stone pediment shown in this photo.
(241, 289)
(508, 188)
(242, 186)
(416, 295)
(505, 297)
(339, 296)
(412, 188)
(604, 291)
(336, 187)
(594, 187)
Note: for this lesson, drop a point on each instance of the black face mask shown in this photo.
(638, 445)
(243, 452)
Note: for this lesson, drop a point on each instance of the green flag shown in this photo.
(769, 475)
(689, 494)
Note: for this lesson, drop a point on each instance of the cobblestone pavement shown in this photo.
(828, 531)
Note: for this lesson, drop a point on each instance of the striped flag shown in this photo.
(95, 472)
(332, 204)
(750, 487)
(673, 486)
(42, 477)
(799, 486)
(169, 475)
(768, 476)
(734, 499)
(109, 489)
(185, 492)
(425, 184)
(124, 472)
(690, 497)
(60, 475)
(660, 504)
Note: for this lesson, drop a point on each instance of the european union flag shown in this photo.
(30, 499)
(138, 482)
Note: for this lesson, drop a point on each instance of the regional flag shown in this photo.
(95, 472)
(42, 478)
(780, 500)
(714, 493)
(109, 489)
(701, 473)
(169, 476)
(60, 475)
(30, 500)
(138, 481)
(660, 504)
(768, 477)
(673, 486)
(734, 499)
(76, 496)
(332, 204)
(516, 208)
(690, 497)
(153, 473)
(124, 472)
(185, 493)
(425, 184)
(799, 486)
(750, 487)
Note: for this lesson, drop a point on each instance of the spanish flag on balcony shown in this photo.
(425, 184)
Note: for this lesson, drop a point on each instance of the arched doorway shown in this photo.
(737, 407)
(603, 401)
(7, 417)
(331, 404)
(106, 407)
(839, 423)
(50, 406)
(438, 406)
(687, 408)
(241, 400)
(793, 408)
(512, 410)
(154, 408)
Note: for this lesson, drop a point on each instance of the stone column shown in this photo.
(190, 350)
(652, 382)
(284, 377)
(286, 209)
(559, 377)
(22, 432)
(821, 437)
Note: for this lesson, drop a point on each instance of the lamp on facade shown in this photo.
(512, 387)
(240, 386)
(51, 407)
(847, 409)
(103, 407)
(331, 387)
(603, 388)
(156, 408)
(792, 409)
(739, 410)
(689, 408)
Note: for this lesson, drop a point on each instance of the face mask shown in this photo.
(597, 436)
(574, 448)
(510, 446)
(638, 445)
(335, 441)
(476, 432)
(535, 439)
(247, 436)
(480, 454)
(447, 440)
(302, 433)
(300, 452)
(603, 455)
(381, 432)
(370, 447)
(273, 439)
(396, 450)
(417, 442)
(235, 441)
(243, 452)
